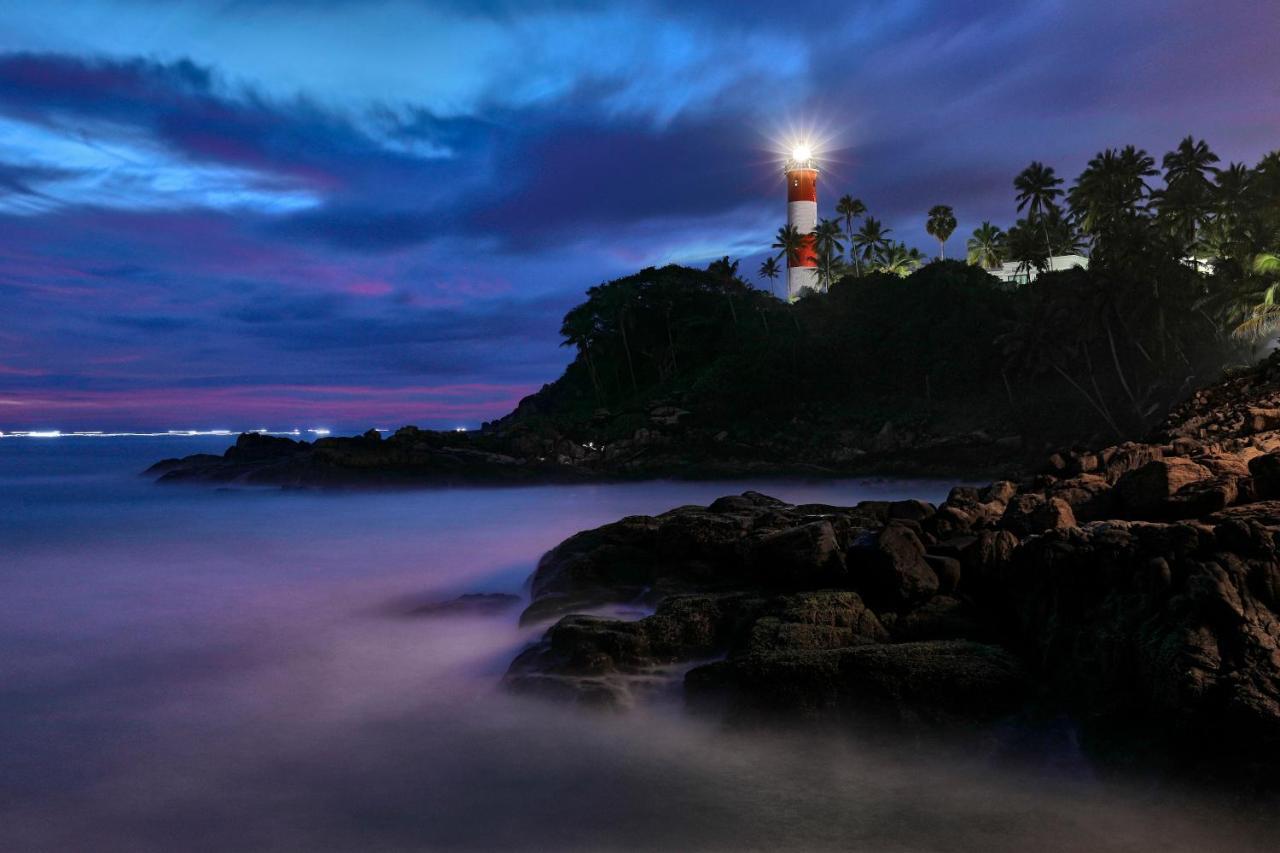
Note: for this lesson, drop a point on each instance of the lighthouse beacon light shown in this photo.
(802, 214)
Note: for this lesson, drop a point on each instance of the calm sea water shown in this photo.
(193, 669)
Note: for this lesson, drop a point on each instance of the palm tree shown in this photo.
(769, 269)
(1023, 244)
(1112, 189)
(872, 237)
(940, 225)
(1037, 187)
(1185, 202)
(727, 272)
(826, 238)
(830, 269)
(851, 208)
(986, 246)
(896, 259)
(579, 329)
(789, 241)
(1192, 162)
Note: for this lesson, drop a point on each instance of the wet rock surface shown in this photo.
(1136, 586)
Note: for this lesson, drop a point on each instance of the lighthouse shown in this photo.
(802, 214)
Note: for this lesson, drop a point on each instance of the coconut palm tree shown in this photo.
(769, 269)
(871, 238)
(1191, 162)
(826, 238)
(830, 269)
(1025, 245)
(1186, 200)
(986, 247)
(726, 271)
(1112, 189)
(789, 241)
(1037, 187)
(851, 208)
(1038, 190)
(896, 259)
(940, 225)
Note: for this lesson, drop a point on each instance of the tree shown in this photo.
(940, 225)
(871, 238)
(826, 242)
(1024, 245)
(986, 247)
(830, 269)
(897, 259)
(827, 238)
(1112, 190)
(851, 208)
(1262, 316)
(789, 241)
(769, 269)
(1185, 203)
(726, 272)
(1038, 192)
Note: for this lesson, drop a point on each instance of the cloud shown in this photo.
(396, 195)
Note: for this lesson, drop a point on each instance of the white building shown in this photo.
(1014, 272)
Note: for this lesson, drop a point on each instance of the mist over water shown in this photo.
(208, 670)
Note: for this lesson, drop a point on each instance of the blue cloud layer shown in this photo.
(385, 194)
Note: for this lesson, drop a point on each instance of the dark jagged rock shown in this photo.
(933, 682)
(1139, 582)
(470, 604)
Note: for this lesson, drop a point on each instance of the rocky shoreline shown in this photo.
(1135, 589)
(667, 446)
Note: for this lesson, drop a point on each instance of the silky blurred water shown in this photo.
(197, 669)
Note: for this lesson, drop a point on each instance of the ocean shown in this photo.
(206, 669)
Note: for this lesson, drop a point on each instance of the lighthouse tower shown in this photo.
(802, 213)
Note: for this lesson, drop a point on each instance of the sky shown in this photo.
(347, 214)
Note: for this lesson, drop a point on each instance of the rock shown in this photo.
(1176, 622)
(911, 510)
(474, 603)
(1033, 513)
(947, 570)
(599, 661)
(890, 568)
(828, 619)
(1262, 419)
(1117, 461)
(943, 617)
(1089, 496)
(799, 557)
(1265, 470)
(932, 682)
(1144, 492)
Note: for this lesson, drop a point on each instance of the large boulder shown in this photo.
(801, 557)
(1145, 492)
(595, 660)
(1032, 512)
(1176, 622)
(933, 682)
(890, 569)
(827, 619)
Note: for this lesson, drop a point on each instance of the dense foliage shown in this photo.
(947, 348)
(1184, 277)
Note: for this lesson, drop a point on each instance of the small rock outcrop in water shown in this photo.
(1135, 586)
(471, 604)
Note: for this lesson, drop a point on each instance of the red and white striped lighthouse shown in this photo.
(802, 213)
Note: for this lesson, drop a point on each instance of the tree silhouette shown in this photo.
(940, 225)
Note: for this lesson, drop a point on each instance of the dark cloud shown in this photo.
(230, 212)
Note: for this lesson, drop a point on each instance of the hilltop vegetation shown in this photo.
(940, 355)
(894, 356)
(895, 366)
